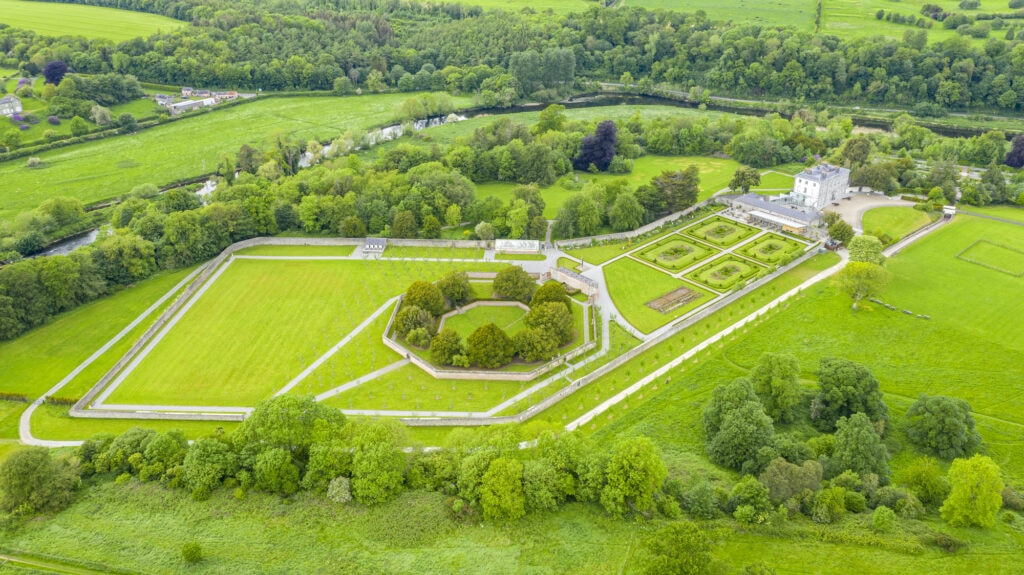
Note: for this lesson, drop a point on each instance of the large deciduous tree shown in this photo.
(865, 249)
(33, 481)
(455, 286)
(599, 148)
(426, 296)
(501, 490)
(488, 346)
(551, 292)
(942, 426)
(513, 282)
(679, 548)
(634, 473)
(377, 462)
(680, 188)
(860, 280)
(846, 388)
(859, 449)
(553, 318)
(975, 488)
(775, 380)
(745, 178)
(445, 346)
(54, 72)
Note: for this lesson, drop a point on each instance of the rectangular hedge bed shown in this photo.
(724, 273)
(720, 231)
(676, 253)
(771, 249)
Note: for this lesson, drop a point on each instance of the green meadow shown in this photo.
(57, 19)
(185, 148)
(894, 222)
(633, 284)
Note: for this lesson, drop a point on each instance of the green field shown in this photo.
(676, 253)
(633, 284)
(720, 231)
(184, 148)
(55, 19)
(233, 348)
(507, 317)
(893, 222)
(998, 257)
(333, 251)
(442, 253)
(771, 248)
(775, 183)
(1011, 213)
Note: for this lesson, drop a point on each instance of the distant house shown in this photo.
(163, 100)
(202, 93)
(221, 96)
(189, 105)
(186, 92)
(10, 105)
(818, 186)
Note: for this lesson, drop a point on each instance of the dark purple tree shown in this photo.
(599, 148)
(1015, 159)
(54, 72)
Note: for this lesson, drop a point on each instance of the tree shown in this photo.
(78, 126)
(861, 280)
(744, 432)
(1015, 158)
(784, 479)
(377, 462)
(490, 347)
(845, 388)
(484, 231)
(680, 188)
(745, 178)
(974, 496)
(208, 461)
(775, 380)
(626, 213)
(679, 548)
(453, 215)
(32, 481)
(455, 287)
(634, 473)
(535, 344)
(551, 292)
(404, 225)
(883, 520)
(865, 249)
(513, 282)
(925, 478)
(501, 490)
(724, 399)
(275, 472)
(598, 149)
(54, 72)
(553, 318)
(552, 119)
(425, 295)
(859, 448)
(100, 115)
(413, 317)
(289, 422)
(431, 227)
(127, 123)
(840, 231)
(856, 152)
(445, 346)
(942, 426)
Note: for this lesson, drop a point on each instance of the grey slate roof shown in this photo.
(758, 202)
(822, 172)
(10, 98)
(576, 276)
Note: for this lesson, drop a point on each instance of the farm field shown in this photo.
(894, 222)
(231, 349)
(633, 284)
(184, 148)
(56, 19)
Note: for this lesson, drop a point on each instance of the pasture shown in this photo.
(185, 148)
(893, 222)
(633, 285)
(57, 19)
(259, 324)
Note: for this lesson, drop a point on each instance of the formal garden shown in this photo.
(726, 272)
(721, 231)
(772, 249)
(675, 253)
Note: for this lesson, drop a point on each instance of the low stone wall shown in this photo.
(653, 226)
(441, 373)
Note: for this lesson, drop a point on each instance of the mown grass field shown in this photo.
(56, 19)
(185, 148)
(775, 183)
(632, 284)
(440, 252)
(260, 324)
(508, 318)
(332, 251)
(894, 222)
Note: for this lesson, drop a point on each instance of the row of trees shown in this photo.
(293, 443)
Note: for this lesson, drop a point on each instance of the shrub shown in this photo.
(490, 347)
(412, 317)
(445, 347)
(192, 552)
(419, 337)
(339, 490)
(426, 296)
(53, 120)
(829, 505)
(33, 162)
(883, 520)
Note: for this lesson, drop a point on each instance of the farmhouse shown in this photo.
(221, 96)
(10, 105)
(819, 186)
(186, 91)
(189, 105)
(163, 100)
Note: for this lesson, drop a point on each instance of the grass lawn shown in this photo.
(569, 263)
(597, 255)
(715, 173)
(507, 317)
(522, 257)
(1005, 212)
(775, 183)
(482, 289)
(443, 253)
(10, 411)
(297, 251)
(184, 148)
(259, 324)
(894, 222)
(999, 257)
(54, 19)
(632, 284)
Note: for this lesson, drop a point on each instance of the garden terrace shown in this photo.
(725, 272)
(720, 231)
(633, 285)
(772, 249)
(676, 253)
